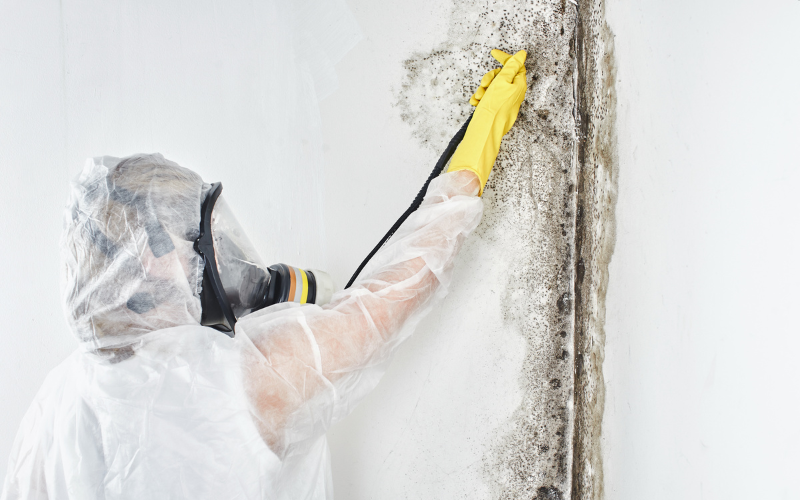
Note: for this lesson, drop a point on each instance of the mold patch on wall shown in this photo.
(530, 214)
(595, 236)
(549, 206)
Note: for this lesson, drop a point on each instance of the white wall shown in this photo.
(35, 170)
(702, 332)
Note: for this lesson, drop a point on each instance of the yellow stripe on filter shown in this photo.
(304, 297)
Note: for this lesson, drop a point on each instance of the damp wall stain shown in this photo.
(595, 236)
(532, 202)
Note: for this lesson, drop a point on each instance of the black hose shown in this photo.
(448, 152)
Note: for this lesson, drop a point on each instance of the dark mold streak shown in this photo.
(595, 236)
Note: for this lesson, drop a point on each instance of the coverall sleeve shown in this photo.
(307, 366)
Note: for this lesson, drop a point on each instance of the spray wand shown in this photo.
(437, 170)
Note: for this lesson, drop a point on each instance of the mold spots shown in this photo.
(530, 202)
(548, 493)
(594, 243)
(563, 303)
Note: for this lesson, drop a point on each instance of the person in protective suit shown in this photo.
(155, 405)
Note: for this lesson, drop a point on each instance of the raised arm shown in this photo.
(306, 367)
(312, 364)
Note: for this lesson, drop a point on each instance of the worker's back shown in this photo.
(170, 421)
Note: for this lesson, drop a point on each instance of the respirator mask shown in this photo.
(235, 281)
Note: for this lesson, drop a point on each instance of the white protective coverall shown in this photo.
(154, 405)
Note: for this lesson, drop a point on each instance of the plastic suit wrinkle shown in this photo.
(358, 330)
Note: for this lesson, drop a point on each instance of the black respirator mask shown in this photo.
(235, 281)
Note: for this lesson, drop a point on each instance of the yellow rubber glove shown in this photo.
(497, 102)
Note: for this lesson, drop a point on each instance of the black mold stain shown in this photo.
(595, 235)
(529, 206)
(532, 209)
(548, 493)
(563, 303)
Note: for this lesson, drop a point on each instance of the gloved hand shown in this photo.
(497, 102)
